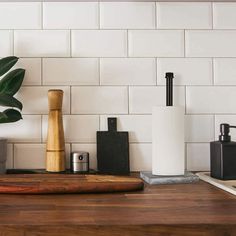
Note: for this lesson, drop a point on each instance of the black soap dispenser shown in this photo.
(223, 155)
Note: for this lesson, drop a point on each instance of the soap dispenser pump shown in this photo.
(223, 155)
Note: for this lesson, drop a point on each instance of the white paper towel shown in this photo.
(168, 152)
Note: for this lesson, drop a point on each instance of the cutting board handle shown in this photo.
(112, 124)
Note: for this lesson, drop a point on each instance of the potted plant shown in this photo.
(10, 83)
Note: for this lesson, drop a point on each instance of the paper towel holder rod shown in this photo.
(169, 88)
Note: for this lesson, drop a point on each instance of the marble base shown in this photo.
(188, 177)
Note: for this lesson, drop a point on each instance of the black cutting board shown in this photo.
(113, 150)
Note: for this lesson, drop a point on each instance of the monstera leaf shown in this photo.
(11, 83)
(9, 86)
(10, 115)
(6, 64)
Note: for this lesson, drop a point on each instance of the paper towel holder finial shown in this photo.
(169, 88)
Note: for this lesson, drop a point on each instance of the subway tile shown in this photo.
(224, 16)
(198, 157)
(28, 129)
(91, 149)
(99, 100)
(210, 99)
(128, 71)
(70, 15)
(6, 43)
(32, 68)
(35, 99)
(29, 156)
(184, 15)
(42, 43)
(156, 43)
(33, 156)
(9, 162)
(230, 119)
(76, 128)
(142, 99)
(199, 128)
(224, 71)
(20, 15)
(140, 157)
(187, 71)
(210, 43)
(127, 15)
(99, 43)
(70, 71)
(138, 126)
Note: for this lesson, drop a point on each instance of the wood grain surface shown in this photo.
(181, 210)
(67, 183)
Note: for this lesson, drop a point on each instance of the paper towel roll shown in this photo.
(168, 154)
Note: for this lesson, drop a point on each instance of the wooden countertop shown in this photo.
(187, 209)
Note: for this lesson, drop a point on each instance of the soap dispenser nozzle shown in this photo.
(224, 132)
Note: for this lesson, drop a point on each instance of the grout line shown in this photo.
(42, 13)
(156, 23)
(41, 76)
(212, 16)
(156, 70)
(214, 125)
(127, 43)
(41, 129)
(70, 44)
(213, 71)
(70, 100)
(128, 95)
(185, 100)
(99, 12)
(184, 45)
(99, 72)
(13, 43)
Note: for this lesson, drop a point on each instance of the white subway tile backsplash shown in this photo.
(35, 100)
(99, 100)
(42, 43)
(91, 149)
(225, 71)
(199, 128)
(127, 15)
(70, 15)
(198, 157)
(76, 128)
(142, 99)
(210, 43)
(99, 43)
(224, 16)
(128, 71)
(156, 43)
(230, 119)
(20, 15)
(211, 99)
(187, 71)
(28, 130)
(110, 58)
(138, 126)
(141, 157)
(32, 68)
(184, 15)
(32, 156)
(6, 43)
(70, 71)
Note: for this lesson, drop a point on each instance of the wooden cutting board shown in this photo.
(67, 183)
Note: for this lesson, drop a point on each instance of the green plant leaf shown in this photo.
(7, 63)
(10, 115)
(11, 82)
(9, 101)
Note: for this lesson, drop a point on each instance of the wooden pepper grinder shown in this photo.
(55, 159)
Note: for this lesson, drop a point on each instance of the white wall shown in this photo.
(110, 59)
